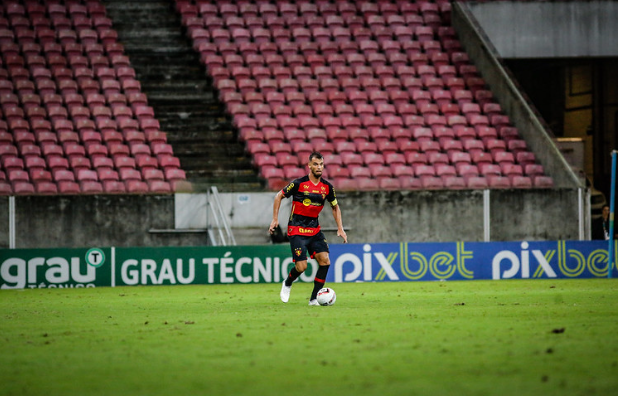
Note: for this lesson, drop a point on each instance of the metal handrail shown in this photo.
(221, 228)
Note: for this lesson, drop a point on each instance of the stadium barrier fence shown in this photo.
(368, 262)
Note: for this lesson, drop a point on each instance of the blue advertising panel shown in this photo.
(467, 261)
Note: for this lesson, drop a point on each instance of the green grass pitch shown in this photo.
(538, 337)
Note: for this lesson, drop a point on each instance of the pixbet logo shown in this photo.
(363, 267)
(403, 264)
(518, 263)
(563, 261)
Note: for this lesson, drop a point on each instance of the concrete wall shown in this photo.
(439, 216)
(484, 56)
(416, 216)
(98, 220)
(554, 29)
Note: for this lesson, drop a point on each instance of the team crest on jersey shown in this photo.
(297, 251)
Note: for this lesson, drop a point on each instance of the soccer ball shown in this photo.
(326, 296)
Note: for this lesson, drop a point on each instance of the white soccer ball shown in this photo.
(326, 296)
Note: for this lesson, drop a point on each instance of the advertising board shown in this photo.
(376, 262)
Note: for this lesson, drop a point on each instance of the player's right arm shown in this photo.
(276, 205)
(285, 193)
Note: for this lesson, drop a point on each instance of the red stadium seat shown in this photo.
(389, 184)
(46, 187)
(410, 183)
(346, 184)
(432, 182)
(90, 187)
(477, 182)
(401, 170)
(521, 182)
(498, 182)
(5, 188)
(454, 182)
(159, 186)
(136, 186)
(543, 182)
(23, 188)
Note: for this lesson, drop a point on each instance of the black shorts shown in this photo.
(300, 245)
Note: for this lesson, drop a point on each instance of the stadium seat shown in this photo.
(136, 186)
(22, 187)
(346, 184)
(543, 182)
(46, 187)
(410, 183)
(380, 171)
(159, 186)
(389, 184)
(432, 183)
(488, 169)
(454, 182)
(402, 170)
(495, 181)
(510, 170)
(525, 158)
(367, 184)
(477, 182)
(533, 170)
(5, 188)
(521, 182)
(90, 187)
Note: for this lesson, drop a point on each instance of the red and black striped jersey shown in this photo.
(307, 203)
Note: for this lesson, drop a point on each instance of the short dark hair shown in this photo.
(315, 154)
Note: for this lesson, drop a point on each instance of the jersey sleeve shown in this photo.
(290, 188)
(332, 196)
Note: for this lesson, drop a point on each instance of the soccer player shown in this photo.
(308, 196)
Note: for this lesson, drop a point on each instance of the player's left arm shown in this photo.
(337, 215)
(332, 199)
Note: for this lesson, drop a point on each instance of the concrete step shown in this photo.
(185, 99)
(167, 73)
(150, 8)
(179, 134)
(214, 144)
(167, 55)
(191, 128)
(189, 112)
(169, 87)
(182, 96)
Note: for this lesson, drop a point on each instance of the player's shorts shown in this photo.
(300, 245)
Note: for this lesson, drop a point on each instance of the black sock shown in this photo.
(294, 274)
(320, 279)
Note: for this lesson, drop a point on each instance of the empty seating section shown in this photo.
(353, 78)
(73, 118)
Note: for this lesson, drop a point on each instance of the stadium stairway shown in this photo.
(182, 95)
